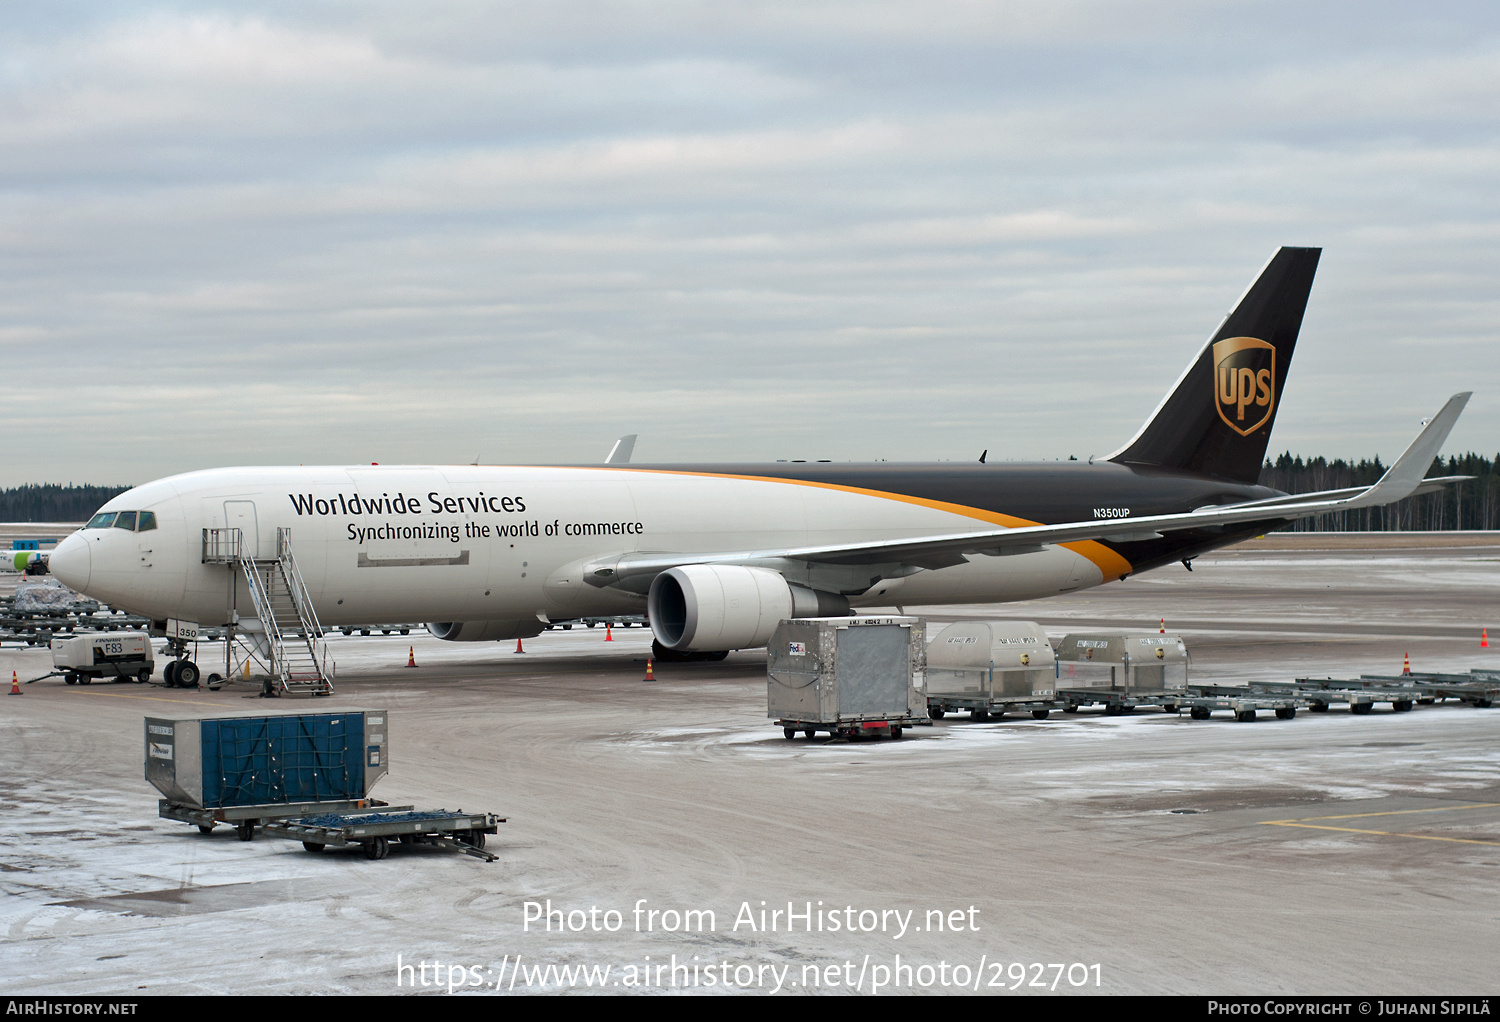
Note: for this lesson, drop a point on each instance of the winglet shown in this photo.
(1403, 477)
(620, 453)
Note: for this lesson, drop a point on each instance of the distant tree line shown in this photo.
(51, 502)
(1474, 504)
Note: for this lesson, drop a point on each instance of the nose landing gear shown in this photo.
(180, 672)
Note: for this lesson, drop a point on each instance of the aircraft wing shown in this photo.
(1403, 479)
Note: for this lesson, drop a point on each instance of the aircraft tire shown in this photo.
(169, 674)
(187, 674)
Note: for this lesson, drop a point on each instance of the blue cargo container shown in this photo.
(244, 760)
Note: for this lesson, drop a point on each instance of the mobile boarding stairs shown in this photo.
(290, 640)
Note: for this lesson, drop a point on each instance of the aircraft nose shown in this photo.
(70, 562)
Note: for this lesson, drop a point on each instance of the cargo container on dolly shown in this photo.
(1122, 670)
(852, 677)
(305, 776)
(991, 668)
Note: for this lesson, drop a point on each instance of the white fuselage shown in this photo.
(419, 543)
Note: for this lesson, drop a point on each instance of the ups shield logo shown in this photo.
(1244, 383)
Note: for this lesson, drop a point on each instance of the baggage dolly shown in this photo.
(371, 824)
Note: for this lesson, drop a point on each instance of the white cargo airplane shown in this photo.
(718, 555)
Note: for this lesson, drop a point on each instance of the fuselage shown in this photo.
(482, 543)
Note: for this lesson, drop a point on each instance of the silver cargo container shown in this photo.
(847, 675)
(1121, 670)
(989, 668)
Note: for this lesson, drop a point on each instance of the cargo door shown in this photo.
(873, 666)
(240, 514)
(1150, 677)
(794, 673)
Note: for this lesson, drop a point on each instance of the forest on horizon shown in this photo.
(1474, 504)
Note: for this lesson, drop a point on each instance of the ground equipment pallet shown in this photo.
(1479, 688)
(371, 824)
(984, 708)
(1244, 701)
(890, 727)
(1361, 695)
(1118, 701)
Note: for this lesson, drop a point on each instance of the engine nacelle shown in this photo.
(710, 607)
(484, 631)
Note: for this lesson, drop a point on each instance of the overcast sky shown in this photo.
(402, 232)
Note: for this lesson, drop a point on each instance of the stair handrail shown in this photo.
(266, 615)
(220, 545)
(312, 628)
(301, 598)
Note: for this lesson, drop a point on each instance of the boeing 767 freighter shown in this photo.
(717, 555)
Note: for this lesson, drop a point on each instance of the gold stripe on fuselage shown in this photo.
(1110, 564)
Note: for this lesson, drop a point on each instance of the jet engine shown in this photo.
(709, 607)
(484, 631)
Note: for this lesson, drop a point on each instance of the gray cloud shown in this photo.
(391, 233)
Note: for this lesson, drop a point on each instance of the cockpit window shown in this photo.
(148, 521)
(102, 520)
(126, 520)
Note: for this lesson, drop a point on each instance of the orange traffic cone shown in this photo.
(649, 675)
(1406, 664)
(1484, 638)
(518, 647)
(1163, 627)
(15, 682)
(411, 656)
(607, 636)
